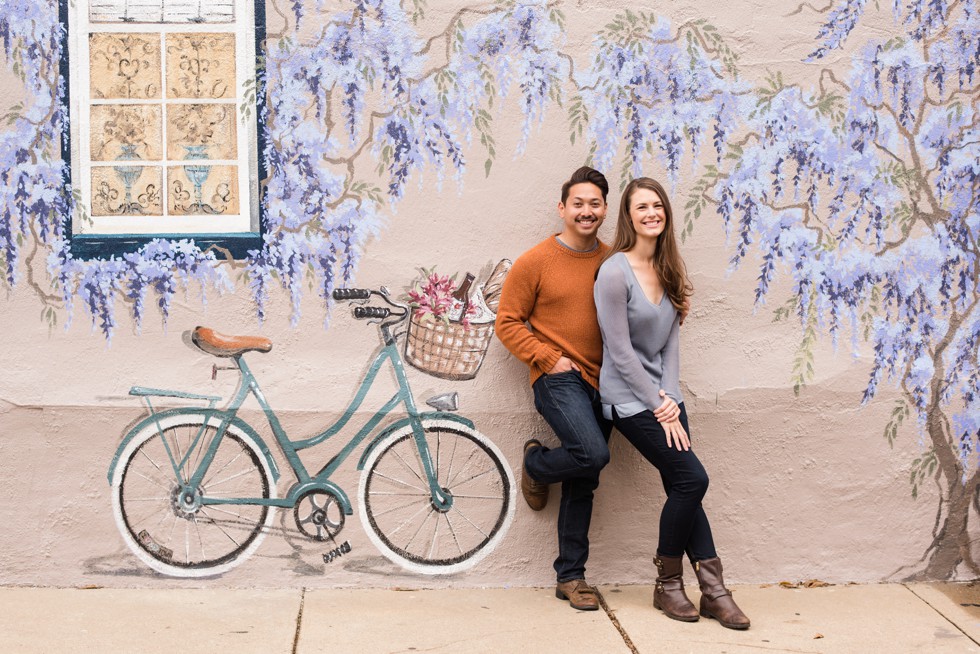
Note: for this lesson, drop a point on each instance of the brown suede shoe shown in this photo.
(578, 593)
(535, 492)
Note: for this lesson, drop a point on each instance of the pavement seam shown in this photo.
(615, 622)
(943, 615)
(299, 619)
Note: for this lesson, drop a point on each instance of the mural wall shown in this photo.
(823, 164)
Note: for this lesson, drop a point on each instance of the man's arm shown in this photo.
(517, 299)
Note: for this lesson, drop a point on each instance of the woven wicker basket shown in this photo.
(448, 351)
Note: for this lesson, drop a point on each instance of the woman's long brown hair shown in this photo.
(667, 259)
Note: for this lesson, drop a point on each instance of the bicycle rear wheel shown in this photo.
(397, 509)
(167, 526)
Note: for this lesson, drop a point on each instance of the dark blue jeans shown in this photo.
(684, 526)
(571, 406)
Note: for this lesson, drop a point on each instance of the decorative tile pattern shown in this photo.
(125, 66)
(200, 189)
(131, 190)
(201, 66)
(201, 129)
(126, 132)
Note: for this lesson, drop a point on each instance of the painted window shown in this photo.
(164, 140)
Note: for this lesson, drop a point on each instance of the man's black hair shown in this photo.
(582, 176)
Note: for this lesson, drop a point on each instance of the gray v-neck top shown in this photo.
(640, 342)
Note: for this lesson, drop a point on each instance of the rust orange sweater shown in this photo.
(550, 289)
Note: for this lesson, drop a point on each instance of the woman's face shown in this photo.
(647, 214)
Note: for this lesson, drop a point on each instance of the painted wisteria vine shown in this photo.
(864, 188)
(860, 185)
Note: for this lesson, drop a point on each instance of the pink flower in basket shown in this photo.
(432, 299)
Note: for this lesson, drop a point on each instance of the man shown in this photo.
(547, 319)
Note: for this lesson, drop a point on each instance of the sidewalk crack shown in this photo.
(299, 620)
(615, 622)
(941, 614)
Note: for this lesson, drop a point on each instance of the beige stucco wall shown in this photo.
(801, 487)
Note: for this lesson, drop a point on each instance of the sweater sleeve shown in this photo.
(672, 359)
(517, 299)
(611, 296)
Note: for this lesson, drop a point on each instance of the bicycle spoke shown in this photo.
(178, 456)
(235, 476)
(152, 462)
(164, 485)
(421, 493)
(463, 516)
(403, 483)
(452, 457)
(201, 445)
(399, 508)
(452, 481)
(409, 521)
(457, 496)
(435, 539)
(408, 467)
(221, 529)
(452, 530)
(220, 509)
(417, 531)
(214, 473)
(476, 476)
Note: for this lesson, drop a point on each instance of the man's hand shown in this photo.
(668, 410)
(564, 364)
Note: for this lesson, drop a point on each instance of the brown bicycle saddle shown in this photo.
(222, 345)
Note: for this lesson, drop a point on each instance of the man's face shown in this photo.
(583, 211)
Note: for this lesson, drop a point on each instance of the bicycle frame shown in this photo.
(305, 481)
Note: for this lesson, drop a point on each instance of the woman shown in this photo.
(640, 289)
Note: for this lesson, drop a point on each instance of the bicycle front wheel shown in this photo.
(164, 523)
(400, 517)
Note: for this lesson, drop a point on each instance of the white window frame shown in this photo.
(243, 103)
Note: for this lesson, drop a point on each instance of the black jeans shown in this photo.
(571, 406)
(683, 524)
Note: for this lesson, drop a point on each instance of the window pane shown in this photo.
(201, 66)
(162, 11)
(131, 190)
(201, 131)
(126, 132)
(199, 189)
(125, 66)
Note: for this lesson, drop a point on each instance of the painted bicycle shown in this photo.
(194, 488)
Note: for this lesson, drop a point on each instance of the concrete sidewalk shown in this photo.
(853, 618)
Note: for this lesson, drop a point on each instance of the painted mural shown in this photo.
(855, 180)
(194, 488)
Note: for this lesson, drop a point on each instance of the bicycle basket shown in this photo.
(447, 350)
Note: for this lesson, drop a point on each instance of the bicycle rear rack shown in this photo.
(147, 393)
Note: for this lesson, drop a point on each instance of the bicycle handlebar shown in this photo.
(351, 294)
(371, 312)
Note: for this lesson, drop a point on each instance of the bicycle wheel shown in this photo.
(170, 530)
(398, 512)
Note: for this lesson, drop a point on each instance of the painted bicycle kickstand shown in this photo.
(194, 488)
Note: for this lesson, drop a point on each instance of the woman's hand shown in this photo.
(668, 410)
(676, 436)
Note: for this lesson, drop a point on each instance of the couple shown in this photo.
(551, 318)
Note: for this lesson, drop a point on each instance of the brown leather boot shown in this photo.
(669, 595)
(716, 600)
